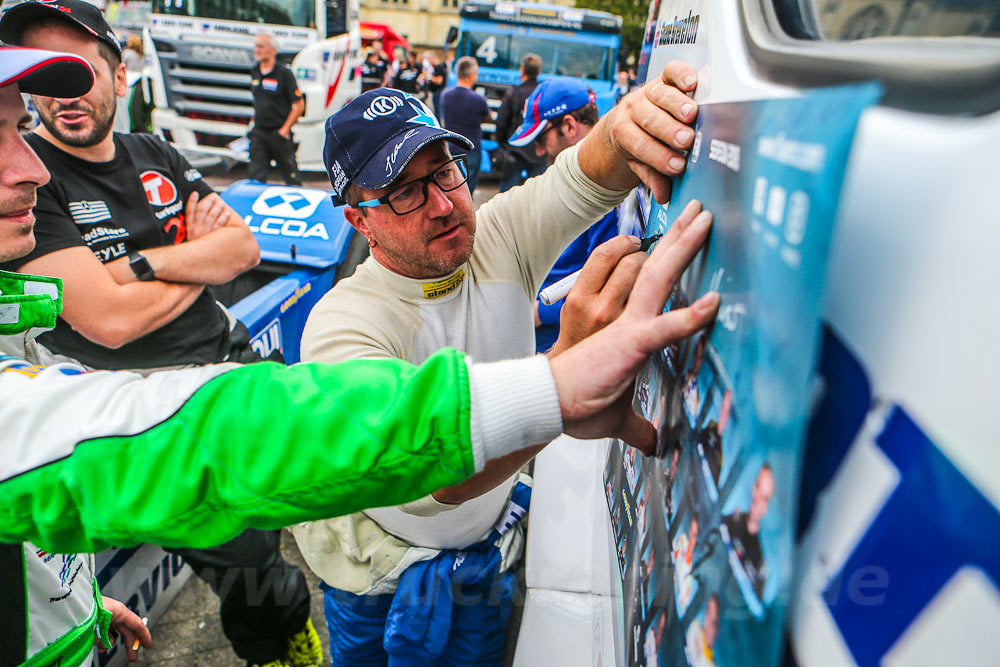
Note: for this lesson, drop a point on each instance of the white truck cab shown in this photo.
(201, 51)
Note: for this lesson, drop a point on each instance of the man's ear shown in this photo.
(121, 81)
(357, 219)
(571, 128)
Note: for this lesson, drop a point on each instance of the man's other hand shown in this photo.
(205, 214)
(601, 291)
(126, 624)
(593, 376)
(642, 137)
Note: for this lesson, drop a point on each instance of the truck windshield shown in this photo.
(299, 13)
(562, 58)
(850, 20)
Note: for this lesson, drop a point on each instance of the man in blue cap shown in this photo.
(560, 113)
(428, 582)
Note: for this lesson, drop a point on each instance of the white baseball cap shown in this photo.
(48, 73)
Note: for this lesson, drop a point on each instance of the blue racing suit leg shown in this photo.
(357, 625)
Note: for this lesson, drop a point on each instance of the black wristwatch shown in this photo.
(140, 266)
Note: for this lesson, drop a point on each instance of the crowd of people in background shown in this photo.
(424, 75)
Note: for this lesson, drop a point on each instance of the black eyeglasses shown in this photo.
(410, 196)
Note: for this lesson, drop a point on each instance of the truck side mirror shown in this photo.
(452, 35)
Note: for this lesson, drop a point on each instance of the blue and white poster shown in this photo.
(705, 530)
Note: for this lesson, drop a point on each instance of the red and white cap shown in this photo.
(48, 73)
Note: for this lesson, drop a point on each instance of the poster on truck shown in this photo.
(704, 531)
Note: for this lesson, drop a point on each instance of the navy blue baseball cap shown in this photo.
(371, 140)
(549, 100)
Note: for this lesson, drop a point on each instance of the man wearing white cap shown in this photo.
(64, 614)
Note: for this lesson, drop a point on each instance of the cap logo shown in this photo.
(424, 115)
(555, 111)
(382, 106)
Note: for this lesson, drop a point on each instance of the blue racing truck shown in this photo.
(306, 245)
(577, 43)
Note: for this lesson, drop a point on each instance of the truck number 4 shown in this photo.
(487, 51)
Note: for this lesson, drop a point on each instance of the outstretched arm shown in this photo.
(193, 457)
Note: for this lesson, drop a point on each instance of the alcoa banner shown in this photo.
(705, 531)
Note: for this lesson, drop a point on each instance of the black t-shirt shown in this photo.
(273, 95)
(463, 110)
(134, 202)
(511, 111)
(748, 550)
(406, 79)
(372, 73)
(438, 70)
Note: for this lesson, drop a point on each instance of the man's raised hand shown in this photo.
(641, 139)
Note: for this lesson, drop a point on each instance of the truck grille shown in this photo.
(207, 81)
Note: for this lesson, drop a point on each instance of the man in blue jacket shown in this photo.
(560, 113)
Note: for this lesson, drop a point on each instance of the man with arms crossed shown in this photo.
(425, 287)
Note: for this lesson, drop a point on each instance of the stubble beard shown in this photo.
(101, 120)
(427, 264)
(443, 265)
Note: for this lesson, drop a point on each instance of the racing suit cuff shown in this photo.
(514, 405)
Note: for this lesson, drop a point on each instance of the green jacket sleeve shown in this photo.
(193, 457)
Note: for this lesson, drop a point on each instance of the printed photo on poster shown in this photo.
(716, 439)
(633, 213)
(697, 379)
(654, 640)
(672, 353)
(702, 633)
(640, 511)
(632, 462)
(669, 468)
(648, 578)
(744, 534)
(685, 550)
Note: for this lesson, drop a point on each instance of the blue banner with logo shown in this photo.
(705, 531)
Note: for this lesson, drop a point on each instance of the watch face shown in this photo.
(141, 267)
